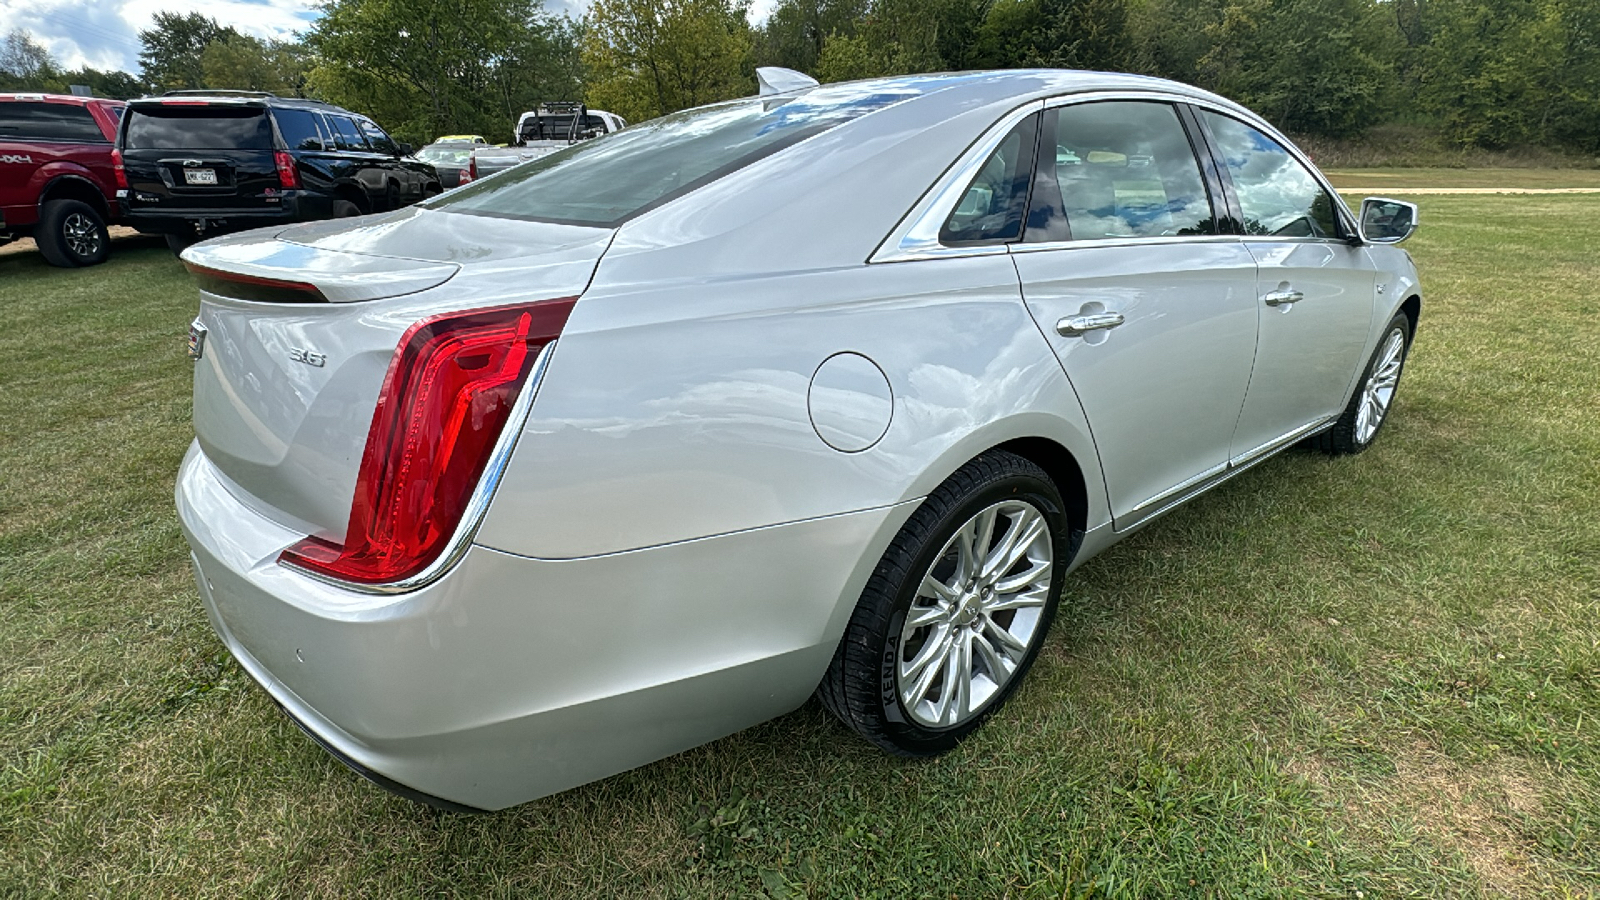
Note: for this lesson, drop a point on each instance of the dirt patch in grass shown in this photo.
(1469, 811)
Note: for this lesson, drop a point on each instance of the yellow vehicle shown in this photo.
(464, 138)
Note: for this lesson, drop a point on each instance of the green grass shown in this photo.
(1389, 179)
(1377, 674)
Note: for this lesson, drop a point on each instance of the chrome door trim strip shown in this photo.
(1183, 487)
(1205, 481)
(1278, 443)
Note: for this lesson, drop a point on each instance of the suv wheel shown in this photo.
(344, 209)
(72, 233)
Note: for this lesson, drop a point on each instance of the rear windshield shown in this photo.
(606, 181)
(172, 127)
(456, 155)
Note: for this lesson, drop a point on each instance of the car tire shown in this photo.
(1369, 406)
(178, 243)
(72, 233)
(344, 209)
(908, 639)
(391, 197)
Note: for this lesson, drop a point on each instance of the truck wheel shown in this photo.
(178, 243)
(72, 233)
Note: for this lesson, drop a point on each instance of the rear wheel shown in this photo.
(72, 233)
(956, 611)
(344, 209)
(177, 243)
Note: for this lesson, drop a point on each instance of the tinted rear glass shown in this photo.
(198, 128)
(452, 154)
(605, 181)
(299, 129)
(48, 122)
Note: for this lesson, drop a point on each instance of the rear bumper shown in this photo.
(512, 678)
(292, 207)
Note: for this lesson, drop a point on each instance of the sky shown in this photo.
(105, 33)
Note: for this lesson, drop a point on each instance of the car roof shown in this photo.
(242, 98)
(74, 99)
(958, 90)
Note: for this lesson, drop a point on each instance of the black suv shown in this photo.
(200, 163)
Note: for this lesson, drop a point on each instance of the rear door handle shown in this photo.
(1283, 298)
(1078, 326)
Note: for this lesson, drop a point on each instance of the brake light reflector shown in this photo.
(118, 171)
(288, 176)
(446, 399)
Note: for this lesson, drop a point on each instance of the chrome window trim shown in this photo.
(1153, 240)
(477, 504)
(917, 235)
(1261, 125)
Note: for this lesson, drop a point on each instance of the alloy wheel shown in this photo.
(976, 614)
(1378, 392)
(82, 235)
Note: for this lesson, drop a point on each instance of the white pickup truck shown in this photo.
(543, 131)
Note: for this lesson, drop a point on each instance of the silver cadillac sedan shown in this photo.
(820, 392)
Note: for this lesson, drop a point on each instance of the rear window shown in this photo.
(456, 155)
(36, 121)
(611, 179)
(198, 128)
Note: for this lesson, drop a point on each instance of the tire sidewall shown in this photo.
(920, 739)
(59, 252)
(1403, 325)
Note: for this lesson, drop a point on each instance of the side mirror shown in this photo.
(405, 149)
(1385, 221)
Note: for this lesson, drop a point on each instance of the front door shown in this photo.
(1151, 312)
(1315, 290)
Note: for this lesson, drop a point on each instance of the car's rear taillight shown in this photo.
(444, 404)
(288, 176)
(119, 172)
(472, 169)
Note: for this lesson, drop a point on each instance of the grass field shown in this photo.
(1365, 677)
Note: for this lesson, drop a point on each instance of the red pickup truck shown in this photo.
(58, 174)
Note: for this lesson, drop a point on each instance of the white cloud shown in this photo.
(105, 33)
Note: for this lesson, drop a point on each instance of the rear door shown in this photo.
(1314, 290)
(1150, 310)
(359, 163)
(199, 155)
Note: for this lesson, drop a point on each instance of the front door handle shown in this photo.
(1283, 298)
(1078, 326)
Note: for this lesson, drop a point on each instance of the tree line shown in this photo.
(1494, 75)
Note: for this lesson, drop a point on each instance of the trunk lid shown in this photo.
(285, 389)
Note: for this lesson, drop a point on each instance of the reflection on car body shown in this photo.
(822, 392)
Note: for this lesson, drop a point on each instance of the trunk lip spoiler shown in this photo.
(284, 265)
(477, 505)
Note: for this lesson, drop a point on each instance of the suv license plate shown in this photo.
(199, 176)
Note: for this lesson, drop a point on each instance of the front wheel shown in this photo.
(72, 233)
(1368, 409)
(956, 611)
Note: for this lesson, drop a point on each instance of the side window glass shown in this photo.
(345, 133)
(1123, 169)
(379, 141)
(991, 208)
(299, 129)
(1277, 194)
(40, 121)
